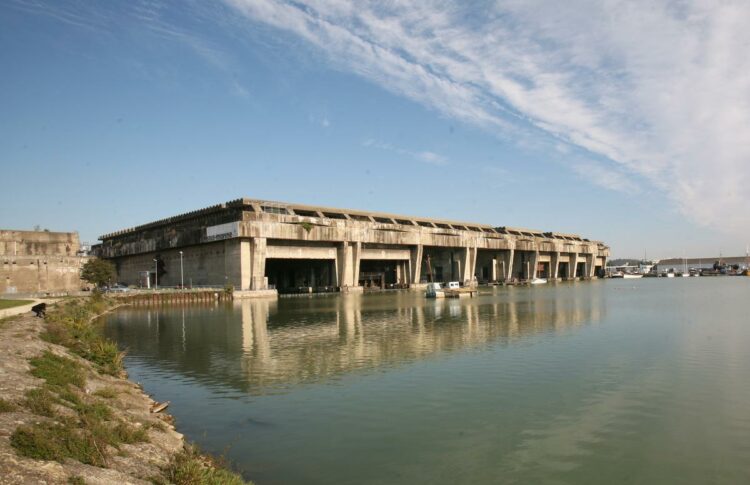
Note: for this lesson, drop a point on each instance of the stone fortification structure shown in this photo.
(40, 262)
(257, 246)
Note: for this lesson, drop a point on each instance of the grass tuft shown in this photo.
(40, 401)
(56, 442)
(6, 406)
(106, 393)
(76, 480)
(192, 468)
(70, 324)
(57, 371)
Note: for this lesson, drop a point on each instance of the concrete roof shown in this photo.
(255, 204)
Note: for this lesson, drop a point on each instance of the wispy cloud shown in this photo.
(660, 89)
(425, 156)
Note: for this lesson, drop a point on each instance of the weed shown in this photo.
(192, 468)
(106, 392)
(157, 425)
(76, 480)
(130, 434)
(94, 412)
(6, 406)
(40, 401)
(70, 324)
(57, 371)
(56, 442)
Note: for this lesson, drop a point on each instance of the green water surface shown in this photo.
(602, 382)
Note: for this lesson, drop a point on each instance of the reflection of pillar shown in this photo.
(415, 261)
(258, 264)
(554, 265)
(255, 328)
(349, 320)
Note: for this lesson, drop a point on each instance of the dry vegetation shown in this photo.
(69, 403)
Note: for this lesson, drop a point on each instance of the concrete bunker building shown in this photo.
(261, 247)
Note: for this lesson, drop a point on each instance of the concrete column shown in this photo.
(572, 265)
(415, 261)
(590, 265)
(465, 265)
(554, 265)
(258, 264)
(347, 263)
(245, 267)
(356, 258)
(493, 267)
(533, 265)
(509, 265)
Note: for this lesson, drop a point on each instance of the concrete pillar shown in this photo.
(533, 265)
(258, 264)
(470, 265)
(573, 265)
(347, 264)
(590, 265)
(554, 265)
(493, 267)
(356, 258)
(509, 265)
(466, 264)
(415, 262)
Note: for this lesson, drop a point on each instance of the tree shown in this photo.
(98, 272)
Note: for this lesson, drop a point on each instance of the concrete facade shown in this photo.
(40, 262)
(257, 245)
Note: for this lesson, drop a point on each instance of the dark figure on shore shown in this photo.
(40, 310)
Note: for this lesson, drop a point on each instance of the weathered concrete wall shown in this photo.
(38, 243)
(255, 232)
(213, 264)
(39, 262)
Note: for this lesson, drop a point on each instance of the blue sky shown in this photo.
(116, 115)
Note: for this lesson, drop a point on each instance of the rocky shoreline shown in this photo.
(65, 420)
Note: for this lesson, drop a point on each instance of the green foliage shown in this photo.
(76, 480)
(192, 468)
(40, 401)
(6, 406)
(306, 226)
(57, 370)
(56, 442)
(98, 272)
(70, 324)
(106, 392)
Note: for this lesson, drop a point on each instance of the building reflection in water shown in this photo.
(263, 346)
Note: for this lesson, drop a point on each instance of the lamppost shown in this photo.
(182, 276)
(156, 274)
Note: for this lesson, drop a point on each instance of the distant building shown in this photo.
(40, 262)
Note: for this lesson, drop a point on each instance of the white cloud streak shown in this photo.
(425, 156)
(660, 89)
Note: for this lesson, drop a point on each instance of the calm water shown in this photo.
(619, 381)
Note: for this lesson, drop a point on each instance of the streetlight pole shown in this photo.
(156, 274)
(182, 276)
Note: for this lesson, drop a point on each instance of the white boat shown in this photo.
(631, 276)
(538, 281)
